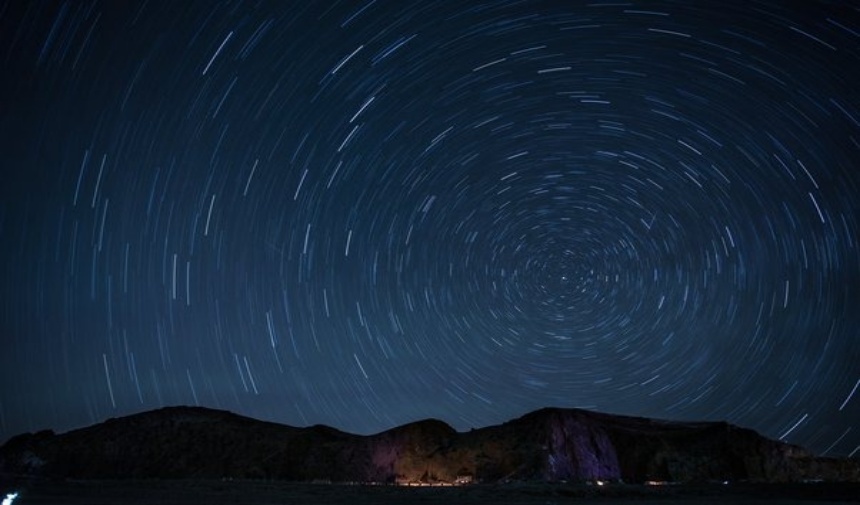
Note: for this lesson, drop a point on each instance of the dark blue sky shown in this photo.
(365, 213)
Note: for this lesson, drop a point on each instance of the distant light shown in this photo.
(600, 483)
(9, 498)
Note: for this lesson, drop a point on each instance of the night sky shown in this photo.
(364, 213)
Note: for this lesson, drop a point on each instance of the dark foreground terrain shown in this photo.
(214, 492)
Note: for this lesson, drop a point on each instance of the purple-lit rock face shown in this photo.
(579, 449)
(409, 452)
(383, 458)
(547, 445)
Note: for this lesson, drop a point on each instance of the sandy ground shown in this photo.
(278, 493)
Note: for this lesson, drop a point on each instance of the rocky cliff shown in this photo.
(546, 445)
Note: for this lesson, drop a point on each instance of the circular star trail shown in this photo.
(366, 213)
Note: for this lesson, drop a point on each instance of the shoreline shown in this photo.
(182, 491)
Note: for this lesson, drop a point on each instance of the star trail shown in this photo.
(366, 213)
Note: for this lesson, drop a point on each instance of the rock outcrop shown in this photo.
(546, 445)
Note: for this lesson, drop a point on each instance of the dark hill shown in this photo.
(546, 445)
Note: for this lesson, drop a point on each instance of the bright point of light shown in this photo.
(9, 498)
